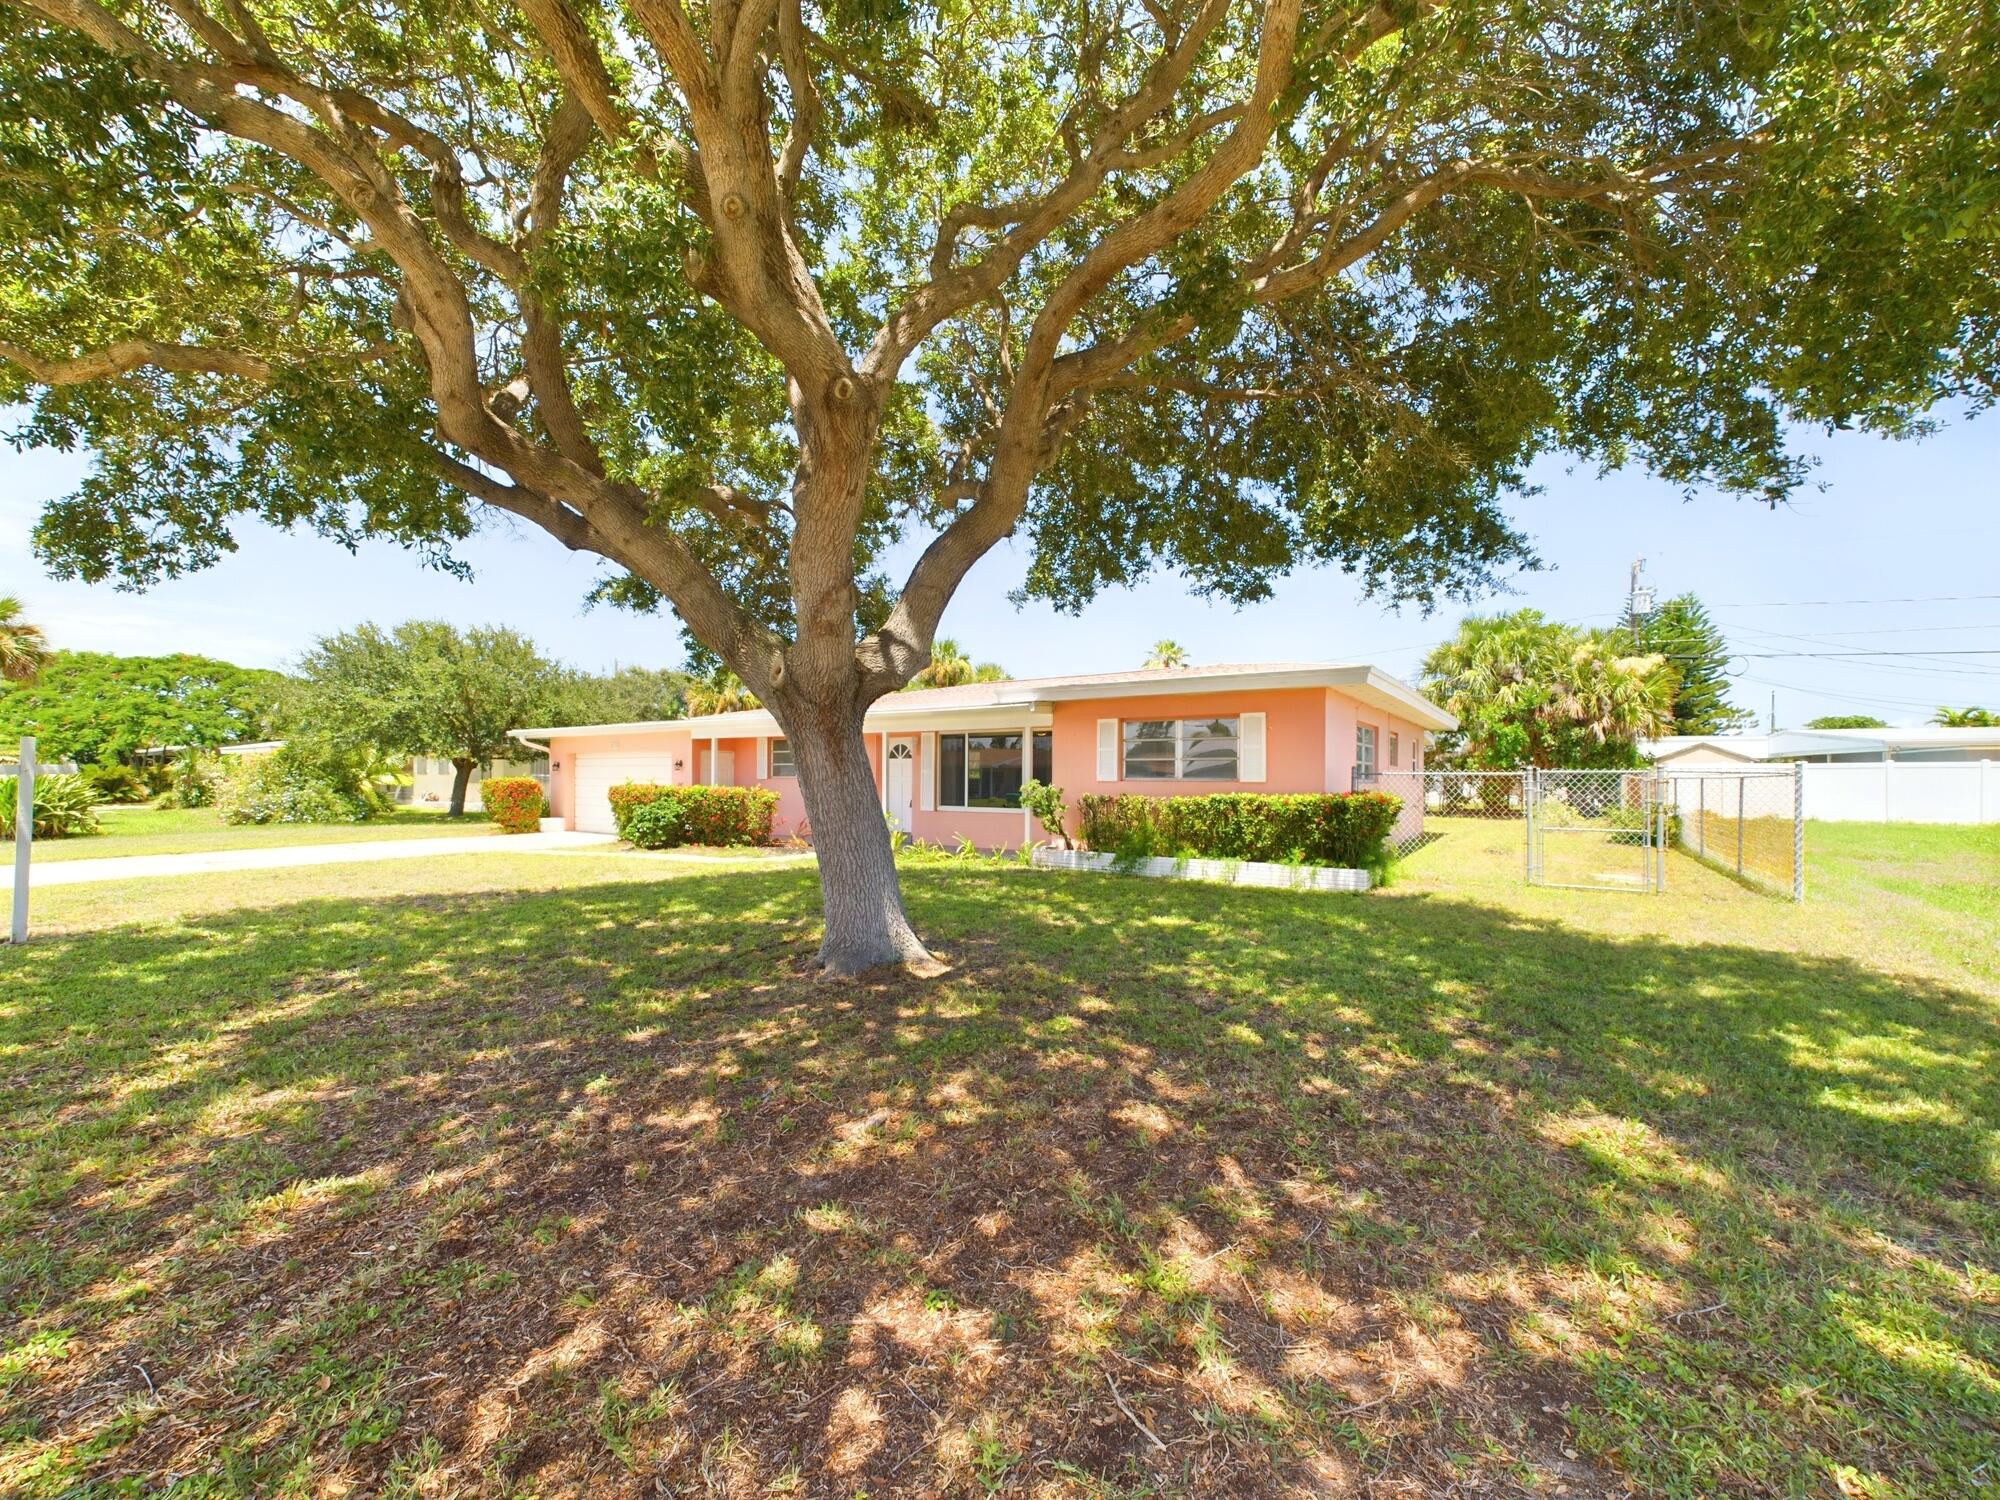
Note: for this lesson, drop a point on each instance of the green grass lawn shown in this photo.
(559, 1175)
(158, 830)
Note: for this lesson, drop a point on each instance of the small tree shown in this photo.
(1681, 631)
(1846, 721)
(428, 688)
(1528, 691)
(1166, 654)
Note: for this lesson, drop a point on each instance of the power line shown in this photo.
(1920, 655)
(1835, 603)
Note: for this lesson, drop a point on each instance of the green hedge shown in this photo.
(1349, 830)
(708, 814)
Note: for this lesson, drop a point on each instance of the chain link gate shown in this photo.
(1597, 830)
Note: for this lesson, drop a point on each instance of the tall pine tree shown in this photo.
(1681, 630)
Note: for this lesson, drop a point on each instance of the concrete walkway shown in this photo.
(139, 866)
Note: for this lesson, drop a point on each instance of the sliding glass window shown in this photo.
(984, 770)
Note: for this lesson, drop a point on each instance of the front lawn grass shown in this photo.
(1165, 1189)
(200, 830)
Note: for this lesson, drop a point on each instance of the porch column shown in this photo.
(714, 763)
(1027, 770)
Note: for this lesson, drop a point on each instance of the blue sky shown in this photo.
(1893, 521)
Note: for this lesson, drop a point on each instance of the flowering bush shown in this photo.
(513, 802)
(1349, 830)
(708, 814)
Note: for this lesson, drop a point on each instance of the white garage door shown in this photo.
(596, 775)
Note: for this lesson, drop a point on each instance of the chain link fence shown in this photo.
(1748, 822)
(1610, 830)
(1429, 796)
(1596, 830)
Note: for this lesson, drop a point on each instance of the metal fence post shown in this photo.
(1798, 830)
(24, 834)
(1528, 819)
(1739, 827)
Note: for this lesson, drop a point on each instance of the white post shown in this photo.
(714, 762)
(1798, 830)
(1027, 770)
(24, 834)
(882, 774)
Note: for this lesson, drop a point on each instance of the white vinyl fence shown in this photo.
(1904, 791)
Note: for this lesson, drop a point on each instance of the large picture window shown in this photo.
(1181, 750)
(984, 770)
(781, 759)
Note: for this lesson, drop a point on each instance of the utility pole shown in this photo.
(1774, 710)
(1638, 601)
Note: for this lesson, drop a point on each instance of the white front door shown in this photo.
(900, 785)
(707, 775)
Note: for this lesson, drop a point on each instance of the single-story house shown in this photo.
(1928, 742)
(949, 762)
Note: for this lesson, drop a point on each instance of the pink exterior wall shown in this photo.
(1308, 747)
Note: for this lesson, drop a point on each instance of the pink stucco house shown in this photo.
(955, 757)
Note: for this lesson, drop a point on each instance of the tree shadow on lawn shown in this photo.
(1164, 1189)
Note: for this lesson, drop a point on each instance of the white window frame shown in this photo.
(791, 768)
(1366, 741)
(1180, 749)
(1395, 751)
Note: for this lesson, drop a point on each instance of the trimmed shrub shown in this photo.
(1349, 830)
(513, 802)
(285, 787)
(654, 825)
(62, 808)
(114, 783)
(194, 781)
(708, 814)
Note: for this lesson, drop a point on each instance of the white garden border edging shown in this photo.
(1250, 872)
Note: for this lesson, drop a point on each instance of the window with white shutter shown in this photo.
(1107, 749)
(1250, 747)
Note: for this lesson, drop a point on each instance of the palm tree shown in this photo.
(951, 667)
(23, 647)
(1965, 718)
(1166, 654)
(721, 692)
(1531, 691)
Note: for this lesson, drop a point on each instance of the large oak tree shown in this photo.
(739, 293)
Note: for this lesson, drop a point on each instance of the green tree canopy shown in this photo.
(1529, 691)
(751, 298)
(1846, 721)
(1681, 631)
(625, 695)
(1166, 654)
(429, 688)
(88, 706)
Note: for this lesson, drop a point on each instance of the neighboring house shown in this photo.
(431, 777)
(1825, 746)
(956, 757)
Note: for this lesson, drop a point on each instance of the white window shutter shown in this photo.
(1107, 749)
(763, 758)
(1250, 753)
(927, 774)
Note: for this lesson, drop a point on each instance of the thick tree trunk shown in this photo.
(460, 781)
(866, 926)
